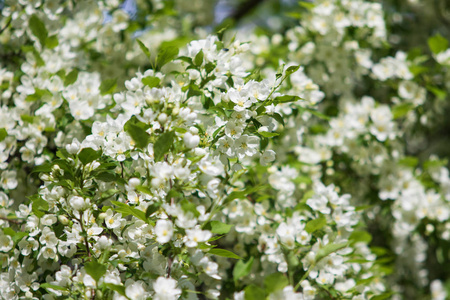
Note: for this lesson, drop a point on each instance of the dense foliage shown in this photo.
(147, 154)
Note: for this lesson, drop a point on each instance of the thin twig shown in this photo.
(6, 26)
(245, 8)
(11, 220)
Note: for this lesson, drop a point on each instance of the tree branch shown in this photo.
(245, 8)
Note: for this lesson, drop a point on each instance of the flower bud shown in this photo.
(74, 147)
(63, 219)
(77, 203)
(162, 118)
(190, 140)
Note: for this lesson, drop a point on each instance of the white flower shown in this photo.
(325, 278)
(48, 252)
(319, 203)
(9, 180)
(444, 57)
(382, 127)
(163, 231)
(136, 291)
(437, 290)
(267, 157)
(6, 243)
(27, 246)
(211, 268)
(190, 140)
(104, 243)
(226, 145)
(112, 220)
(74, 147)
(286, 234)
(211, 166)
(48, 237)
(166, 289)
(78, 203)
(246, 146)
(195, 236)
(234, 129)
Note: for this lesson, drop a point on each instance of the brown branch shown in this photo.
(11, 220)
(6, 26)
(440, 12)
(169, 266)
(245, 8)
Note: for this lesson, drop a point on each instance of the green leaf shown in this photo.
(9, 231)
(144, 48)
(152, 209)
(143, 189)
(275, 282)
(292, 69)
(242, 268)
(117, 288)
(363, 207)
(3, 134)
(416, 70)
(222, 27)
(127, 210)
(16, 236)
(137, 130)
(198, 60)
(88, 155)
(286, 99)
(38, 94)
(51, 42)
(378, 251)
(437, 43)
(360, 237)
(44, 168)
(54, 287)
(328, 249)
(316, 224)
(166, 53)
(163, 144)
(307, 5)
(218, 227)
(95, 269)
(108, 86)
(39, 206)
(209, 67)
(401, 110)
(386, 295)
(151, 81)
(107, 176)
(196, 159)
(215, 238)
(193, 91)
(268, 134)
(71, 77)
(439, 93)
(224, 253)
(254, 292)
(318, 114)
(244, 193)
(302, 179)
(186, 59)
(409, 161)
(188, 206)
(37, 27)
(278, 118)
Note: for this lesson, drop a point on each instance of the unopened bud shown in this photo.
(63, 219)
(162, 118)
